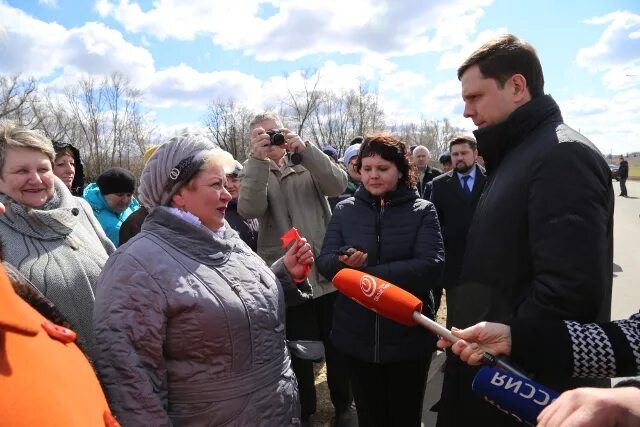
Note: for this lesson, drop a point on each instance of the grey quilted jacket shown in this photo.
(190, 330)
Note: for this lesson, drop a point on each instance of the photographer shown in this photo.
(285, 183)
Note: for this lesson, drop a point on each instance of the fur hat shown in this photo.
(116, 180)
(331, 152)
(174, 164)
(352, 150)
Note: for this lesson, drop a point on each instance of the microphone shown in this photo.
(512, 394)
(396, 304)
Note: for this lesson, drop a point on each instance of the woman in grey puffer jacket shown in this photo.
(189, 321)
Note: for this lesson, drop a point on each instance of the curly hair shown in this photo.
(392, 150)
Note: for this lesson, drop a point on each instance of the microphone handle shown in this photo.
(438, 329)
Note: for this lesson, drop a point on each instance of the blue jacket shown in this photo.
(404, 246)
(109, 220)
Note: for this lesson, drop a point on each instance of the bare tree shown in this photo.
(301, 104)
(16, 94)
(227, 124)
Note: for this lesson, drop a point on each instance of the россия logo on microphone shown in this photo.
(369, 287)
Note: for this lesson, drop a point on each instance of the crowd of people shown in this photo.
(178, 288)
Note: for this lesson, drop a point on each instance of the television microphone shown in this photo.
(515, 395)
(398, 305)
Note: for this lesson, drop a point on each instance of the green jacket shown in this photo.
(295, 195)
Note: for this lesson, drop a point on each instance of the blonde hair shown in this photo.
(263, 117)
(12, 136)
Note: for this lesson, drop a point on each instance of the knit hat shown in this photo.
(116, 180)
(147, 154)
(352, 150)
(174, 164)
(331, 152)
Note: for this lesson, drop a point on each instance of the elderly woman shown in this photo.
(68, 167)
(385, 230)
(189, 320)
(51, 236)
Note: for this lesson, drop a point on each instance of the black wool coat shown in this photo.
(455, 211)
(401, 236)
(540, 246)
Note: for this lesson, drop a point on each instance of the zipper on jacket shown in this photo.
(376, 346)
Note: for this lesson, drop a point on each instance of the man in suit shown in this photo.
(455, 195)
(426, 173)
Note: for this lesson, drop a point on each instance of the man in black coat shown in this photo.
(623, 174)
(455, 195)
(540, 245)
(426, 173)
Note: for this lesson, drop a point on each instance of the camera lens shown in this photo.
(277, 139)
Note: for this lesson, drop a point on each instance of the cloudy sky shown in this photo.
(185, 53)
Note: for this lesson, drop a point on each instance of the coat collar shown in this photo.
(56, 221)
(401, 195)
(195, 241)
(495, 141)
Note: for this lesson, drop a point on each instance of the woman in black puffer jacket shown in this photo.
(389, 232)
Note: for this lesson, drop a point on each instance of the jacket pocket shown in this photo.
(209, 414)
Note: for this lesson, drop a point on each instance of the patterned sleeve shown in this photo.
(593, 350)
(607, 349)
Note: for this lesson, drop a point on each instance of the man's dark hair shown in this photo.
(504, 56)
(391, 149)
(356, 140)
(463, 139)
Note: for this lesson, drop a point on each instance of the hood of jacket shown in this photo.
(77, 186)
(58, 218)
(495, 141)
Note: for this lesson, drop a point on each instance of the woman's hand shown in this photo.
(355, 258)
(298, 259)
(475, 340)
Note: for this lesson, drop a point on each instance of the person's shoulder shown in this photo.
(442, 178)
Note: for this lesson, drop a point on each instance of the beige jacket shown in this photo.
(295, 195)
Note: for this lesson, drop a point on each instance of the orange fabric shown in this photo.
(378, 295)
(43, 382)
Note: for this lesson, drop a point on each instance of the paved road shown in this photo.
(626, 280)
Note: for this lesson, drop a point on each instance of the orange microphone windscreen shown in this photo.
(378, 295)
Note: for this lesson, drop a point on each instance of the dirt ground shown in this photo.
(324, 414)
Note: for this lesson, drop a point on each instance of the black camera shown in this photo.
(276, 137)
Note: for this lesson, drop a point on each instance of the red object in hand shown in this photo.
(293, 236)
(378, 295)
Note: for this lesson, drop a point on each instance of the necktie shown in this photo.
(465, 185)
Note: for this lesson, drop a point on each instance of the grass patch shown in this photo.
(634, 171)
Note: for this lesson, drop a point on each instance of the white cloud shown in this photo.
(612, 123)
(617, 52)
(452, 59)
(36, 48)
(304, 28)
(183, 86)
(50, 3)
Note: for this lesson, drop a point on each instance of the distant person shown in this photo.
(385, 230)
(133, 224)
(189, 321)
(112, 201)
(52, 237)
(286, 183)
(540, 245)
(349, 161)
(445, 161)
(426, 173)
(246, 228)
(623, 174)
(68, 167)
(455, 194)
